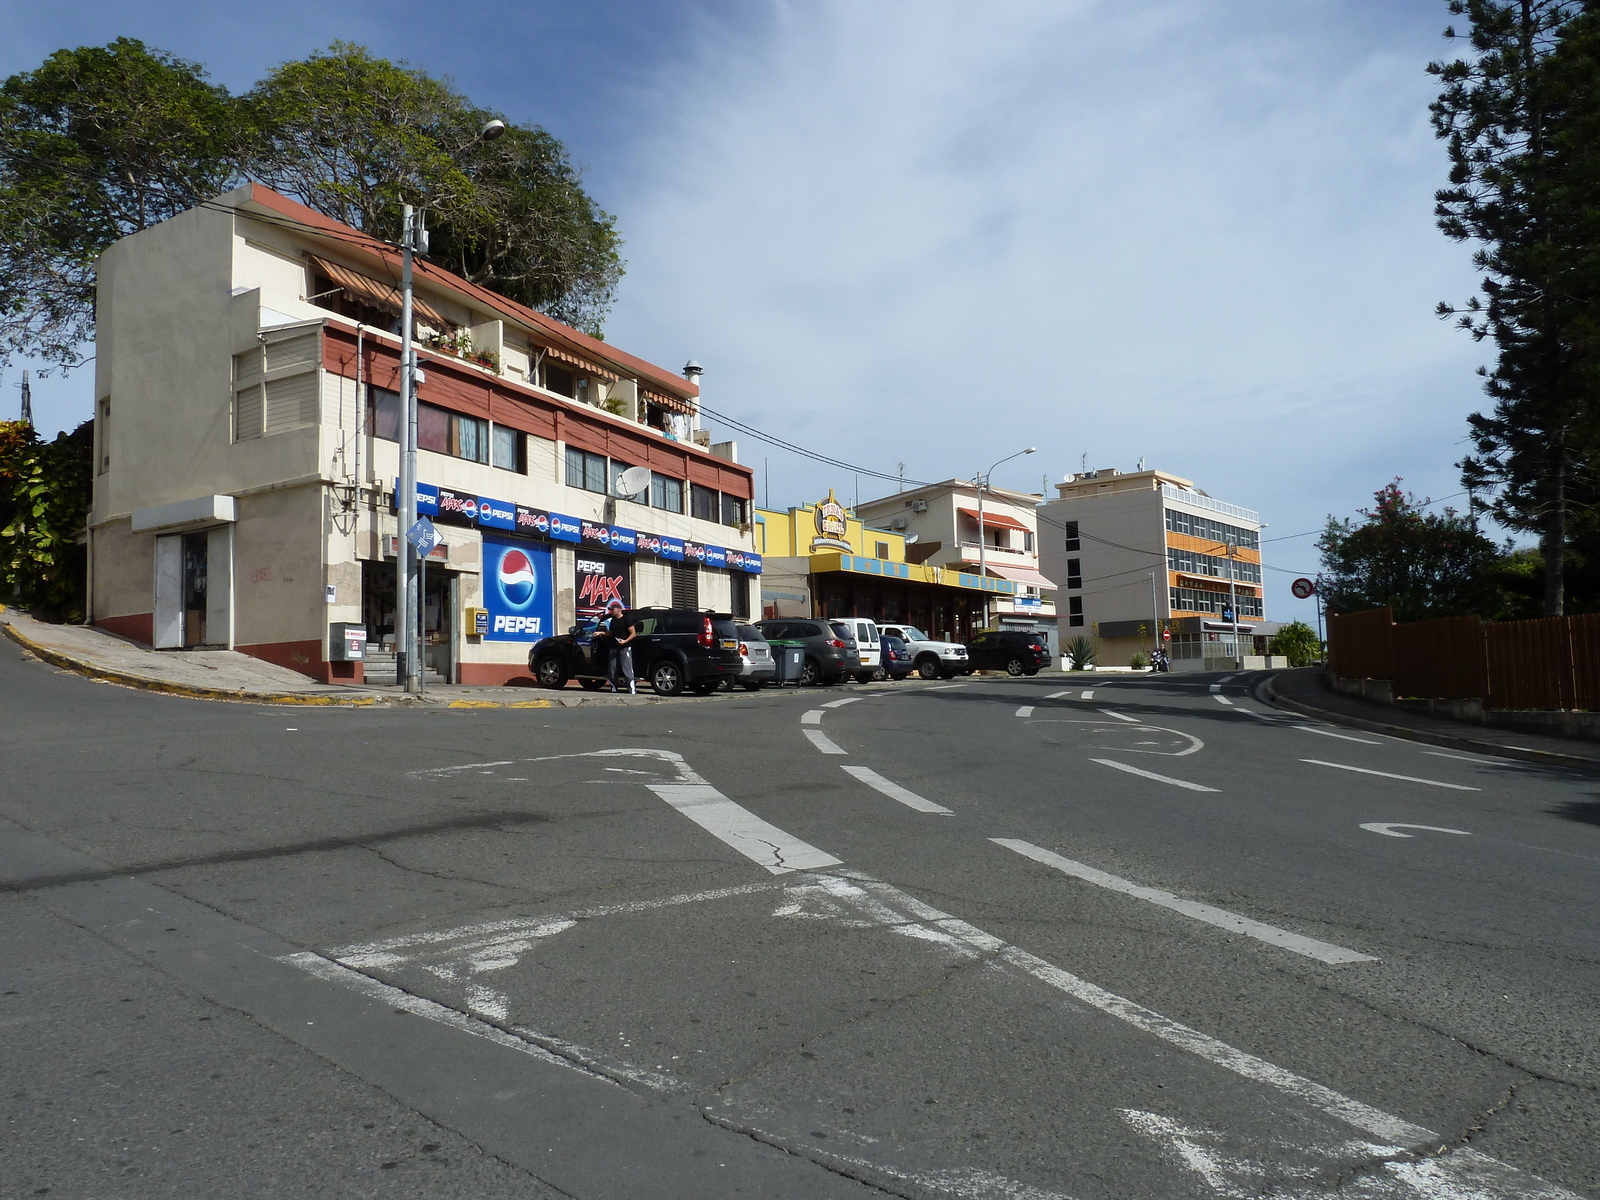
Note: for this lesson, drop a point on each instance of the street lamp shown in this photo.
(408, 606)
(983, 482)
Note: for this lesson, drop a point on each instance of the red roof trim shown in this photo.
(579, 341)
(998, 520)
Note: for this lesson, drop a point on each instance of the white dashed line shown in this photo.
(1458, 787)
(1330, 733)
(823, 742)
(1216, 687)
(1119, 716)
(1025, 711)
(1183, 783)
(760, 842)
(1088, 694)
(842, 703)
(1060, 695)
(893, 790)
(1223, 700)
(814, 717)
(944, 687)
(1220, 917)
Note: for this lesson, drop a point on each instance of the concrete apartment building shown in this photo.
(943, 517)
(246, 441)
(1141, 552)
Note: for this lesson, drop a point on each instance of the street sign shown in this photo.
(1227, 614)
(1303, 589)
(423, 536)
(1166, 635)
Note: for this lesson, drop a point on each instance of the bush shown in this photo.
(1081, 653)
(1139, 662)
(1297, 642)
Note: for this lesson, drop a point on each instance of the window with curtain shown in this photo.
(666, 493)
(586, 470)
(506, 449)
(705, 503)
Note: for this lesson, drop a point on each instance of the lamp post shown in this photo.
(983, 572)
(1233, 602)
(410, 609)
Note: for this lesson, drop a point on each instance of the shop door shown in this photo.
(194, 588)
(377, 603)
(438, 629)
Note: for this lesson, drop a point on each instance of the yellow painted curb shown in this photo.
(77, 665)
(532, 704)
(474, 704)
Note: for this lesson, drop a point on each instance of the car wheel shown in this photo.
(878, 676)
(550, 672)
(928, 668)
(1031, 672)
(593, 685)
(1014, 667)
(810, 673)
(705, 687)
(667, 678)
(753, 685)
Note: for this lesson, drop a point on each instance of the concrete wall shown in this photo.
(1116, 581)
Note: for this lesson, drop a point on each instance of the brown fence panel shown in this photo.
(1586, 660)
(1530, 664)
(1361, 645)
(1440, 659)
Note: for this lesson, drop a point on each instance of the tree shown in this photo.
(1519, 120)
(355, 136)
(1297, 642)
(1423, 565)
(45, 491)
(97, 143)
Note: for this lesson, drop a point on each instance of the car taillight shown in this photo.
(744, 650)
(707, 635)
(1035, 645)
(836, 644)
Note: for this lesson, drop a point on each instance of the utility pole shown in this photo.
(407, 673)
(27, 401)
(1155, 615)
(1233, 602)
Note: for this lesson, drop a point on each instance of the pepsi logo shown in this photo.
(518, 583)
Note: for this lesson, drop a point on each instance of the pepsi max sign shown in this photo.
(534, 522)
(694, 552)
(456, 508)
(596, 535)
(647, 543)
(517, 590)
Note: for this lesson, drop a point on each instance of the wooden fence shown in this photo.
(1548, 664)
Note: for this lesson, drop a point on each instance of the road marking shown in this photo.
(842, 703)
(1223, 919)
(1088, 694)
(1215, 688)
(814, 717)
(893, 790)
(760, 842)
(944, 687)
(1222, 700)
(1060, 695)
(1330, 733)
(1183, 783)
(1119, 716)
(1459, 787)
(823, 742)
(1482, 762)
(1025, 711)
(1387, 828)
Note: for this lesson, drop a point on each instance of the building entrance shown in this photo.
(438, 606)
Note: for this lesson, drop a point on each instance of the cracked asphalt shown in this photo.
(252, 951)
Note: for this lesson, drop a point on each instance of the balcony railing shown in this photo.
(1199, 501)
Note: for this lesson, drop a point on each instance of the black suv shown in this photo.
(1015, 653)
(677, 649)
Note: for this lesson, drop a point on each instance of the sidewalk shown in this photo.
(229, 675)
(1303, 690)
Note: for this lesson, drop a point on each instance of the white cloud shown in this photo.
(1197, 232)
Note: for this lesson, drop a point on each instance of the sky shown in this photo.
(1193, 232)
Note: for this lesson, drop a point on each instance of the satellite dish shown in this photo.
(633, 481)
(911, 537)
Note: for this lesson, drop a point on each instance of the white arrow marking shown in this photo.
(1387, 828)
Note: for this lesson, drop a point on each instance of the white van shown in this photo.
(864, 634)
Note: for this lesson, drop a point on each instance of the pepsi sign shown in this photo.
(456, 508)
(534, 522)
(427, 499)
(596, 535)
(496, 514)
(672, 549)
(714, 556)
(565, 529)
(517, 590)
(647, 543)
(694, 552)
(625, 541)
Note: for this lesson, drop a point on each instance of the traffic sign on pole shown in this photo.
(1303, 589)
(424, 536)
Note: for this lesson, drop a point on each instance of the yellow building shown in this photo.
(821, 560)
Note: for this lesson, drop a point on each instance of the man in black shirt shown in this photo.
(620, 634)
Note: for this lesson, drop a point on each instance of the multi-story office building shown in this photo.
(246, 425)
(1142, 553)
(943, 530)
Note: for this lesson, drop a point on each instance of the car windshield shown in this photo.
(915, 635)
(750, 633)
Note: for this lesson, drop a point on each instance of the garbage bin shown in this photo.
(791, 658)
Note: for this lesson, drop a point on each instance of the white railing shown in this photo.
(1217, 506)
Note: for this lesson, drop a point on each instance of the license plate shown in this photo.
(727, 645)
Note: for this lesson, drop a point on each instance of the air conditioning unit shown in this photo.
(898, 523)
(919, 506)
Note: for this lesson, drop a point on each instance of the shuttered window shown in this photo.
(685, 586)
(277, 386)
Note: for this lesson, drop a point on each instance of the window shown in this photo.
(685, 586)
(586, 470)
(881, 549)
(1074, 572)
(1221, 532)
(1072, 534)
(741, 596)
(666, 493)
(1204, 600)
(1027, 541)
(508, 449)
(383, 414)
(560, 380)
(433, 429)
(732, 510)
(1213, 565)
(103, 434)
(469, 438)
(705, 503)
(1074, 611)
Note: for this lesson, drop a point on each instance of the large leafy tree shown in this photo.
(97, 143)
(355, 136)
(1518, 115)
(44, 500)
(1421, 564)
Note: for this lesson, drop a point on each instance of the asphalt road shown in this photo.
(990, 938)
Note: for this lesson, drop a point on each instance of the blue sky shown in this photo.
(1197, 232)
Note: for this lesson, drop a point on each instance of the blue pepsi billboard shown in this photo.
(518, 590)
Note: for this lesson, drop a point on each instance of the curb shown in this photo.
(106, 675)
(1428, 737)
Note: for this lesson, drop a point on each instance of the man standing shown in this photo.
(621, 631)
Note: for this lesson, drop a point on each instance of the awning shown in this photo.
(674, 404)
(380, 295)
(588, 366)
(996, 520)
(1025, 575)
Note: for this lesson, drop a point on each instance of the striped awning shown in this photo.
(586, 365)
(378, 294)
(674, 404)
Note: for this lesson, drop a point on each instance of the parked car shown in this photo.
(864, 634)
(1013, 651)
(932, 659)
(896, 663)
(829, 657)
(760, 668)
(677, 649)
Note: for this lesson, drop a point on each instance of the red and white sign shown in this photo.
(1303, 589)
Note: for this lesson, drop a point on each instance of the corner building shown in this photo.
(247, 425)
